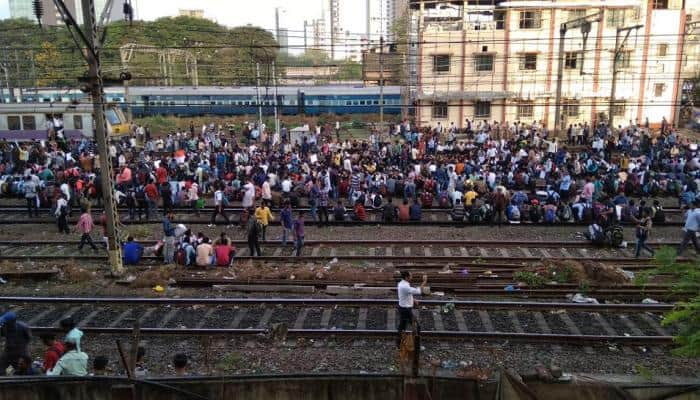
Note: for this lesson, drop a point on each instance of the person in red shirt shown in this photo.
(404, 212)
(152, 195)
(360, 213)
(54, 351)
(224, 251)
(161, 174)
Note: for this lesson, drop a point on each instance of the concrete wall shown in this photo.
(354, 387)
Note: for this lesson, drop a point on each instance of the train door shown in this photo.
(301, 108)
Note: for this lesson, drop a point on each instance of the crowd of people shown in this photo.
(62, 356)
(488, 173)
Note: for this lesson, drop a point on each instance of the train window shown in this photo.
(362, 102)
(77, 122)
(13, 123)
(28, 122)
(152, 103)
(112, 117)
(375, 102)
(355, 102)
(172, 103)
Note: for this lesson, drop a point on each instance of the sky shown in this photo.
(256, 12)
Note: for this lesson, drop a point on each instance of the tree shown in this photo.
(224, 56)
(686, 314)
(45, 60)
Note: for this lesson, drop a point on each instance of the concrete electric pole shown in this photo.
(94, 81)
(585, 24)
(617, 52)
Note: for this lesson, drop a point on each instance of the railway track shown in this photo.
(423, 251)
(432, 219)
(530, 322)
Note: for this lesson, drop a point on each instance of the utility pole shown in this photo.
(585, 24)
(98, 98)
(277, 24)
(689, 27)
(18, 80)
(306, 43)
(617, 52)
(31, 55)
(274, 82)
(381, 84)
(257, 89)
(368, 24)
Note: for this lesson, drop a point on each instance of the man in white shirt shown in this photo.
(406, 302)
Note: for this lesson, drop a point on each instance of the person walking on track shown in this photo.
(219, 204)
(406, 302)
(85, 226)
(692, 225)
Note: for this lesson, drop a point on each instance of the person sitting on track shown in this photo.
(132, 252)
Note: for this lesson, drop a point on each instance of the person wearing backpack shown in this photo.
(550, 213)
(564, 212)
(535, 212)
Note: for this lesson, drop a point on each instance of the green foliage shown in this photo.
(224, 56)
(230, 362)
(531, 279)
(646, 374)
(686, 314)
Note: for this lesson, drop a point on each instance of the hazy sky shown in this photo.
(242, 12)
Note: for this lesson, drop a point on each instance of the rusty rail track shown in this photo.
(353, 318)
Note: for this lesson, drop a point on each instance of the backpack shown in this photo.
(513, 213)
(597, 235)
(550, 215)
(181, 257)
(475, 217)
(565, 213)
(140, 195)
(616, 236)
(659, 216)
(443, 199)
(535, 214)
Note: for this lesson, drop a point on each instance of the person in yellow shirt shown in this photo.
(264, 215)
(469, 197)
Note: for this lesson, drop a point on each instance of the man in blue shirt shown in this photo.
(132, 252)
(692, 224)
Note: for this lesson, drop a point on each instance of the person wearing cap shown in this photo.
(17, 338)
(72, 363)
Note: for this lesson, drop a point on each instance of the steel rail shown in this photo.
(468, 304)
(328, 333)
(392, 258)
(205, 221)
(397, 243)
(237, 209)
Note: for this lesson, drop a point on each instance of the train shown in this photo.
(29, 121)
(189, 101)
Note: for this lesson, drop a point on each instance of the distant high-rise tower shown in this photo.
(335, 28)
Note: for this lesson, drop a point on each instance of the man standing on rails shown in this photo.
(406, 302)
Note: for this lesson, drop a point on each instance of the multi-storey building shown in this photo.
(496, 60)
